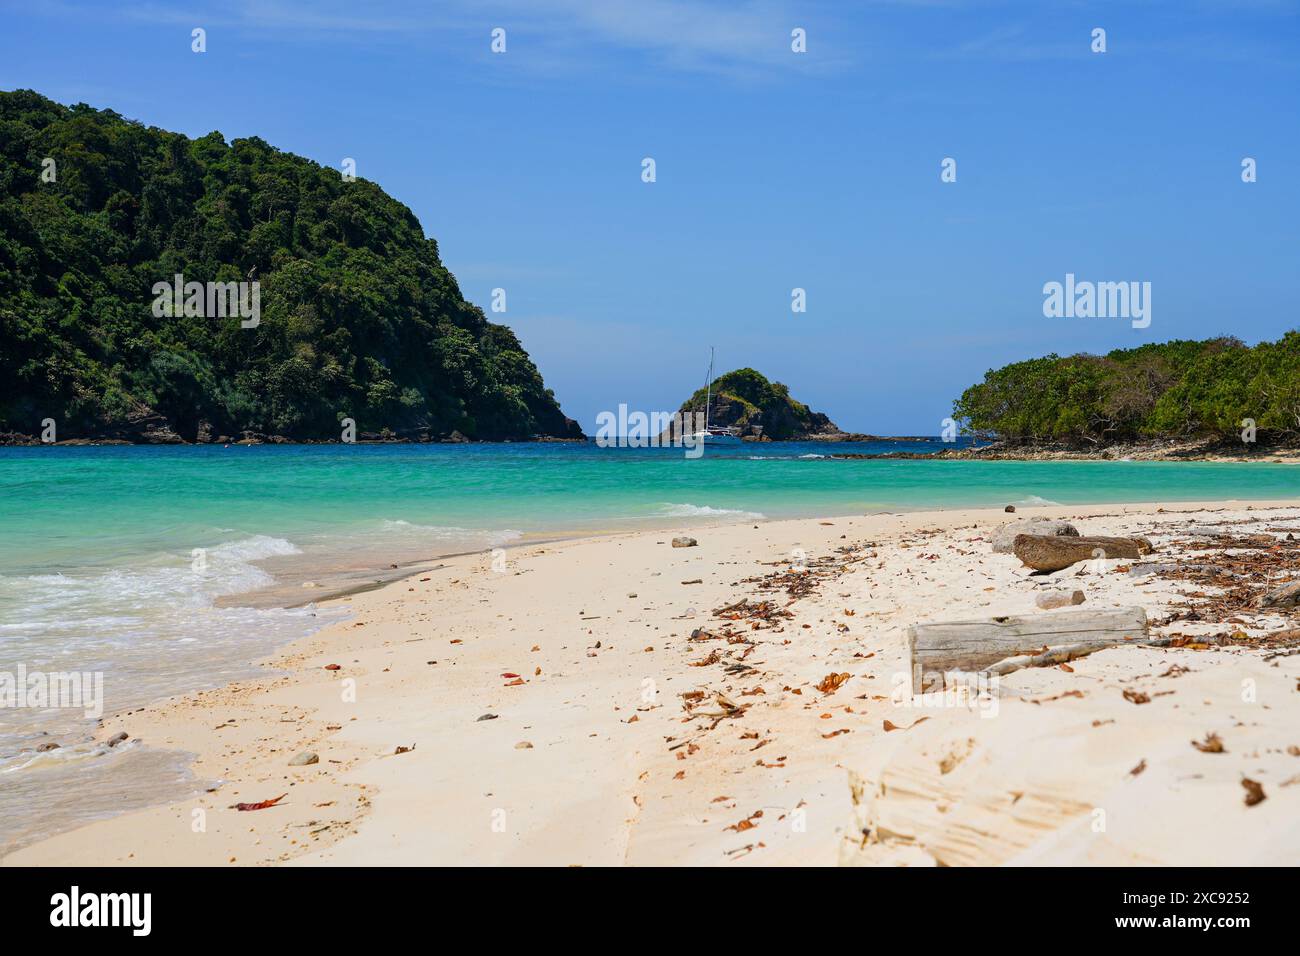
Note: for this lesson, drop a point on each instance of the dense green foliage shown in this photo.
(1180, 389)
(747, 399)
(359, 318)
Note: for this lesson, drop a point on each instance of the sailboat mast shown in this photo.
(708, 390)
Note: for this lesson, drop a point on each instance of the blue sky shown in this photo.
(775, 170)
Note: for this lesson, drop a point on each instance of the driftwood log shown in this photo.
(1055, 552)
(979, 645)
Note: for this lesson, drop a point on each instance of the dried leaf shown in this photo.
(263, 804)
(832, 682)
(1211, 745)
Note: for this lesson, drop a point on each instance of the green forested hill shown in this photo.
(359, 318)
(746, 398)
(1180, 389)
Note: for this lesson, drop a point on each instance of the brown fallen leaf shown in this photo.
(514, 683)
(1067, 668)
(1142, 765)
(403, 750)
(890, 725)
(835, 733)
(1254, 791)
(332, 667)
(263, 804)
(1212, 744)
(1136, 697)
(746, 824)
(832, 682)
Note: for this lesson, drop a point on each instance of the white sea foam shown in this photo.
(151, 628)
(671, 510)
(1034, 500)
(448, 535)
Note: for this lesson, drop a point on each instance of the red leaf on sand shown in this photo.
(332, 667)
(261, 805)
(508, 674)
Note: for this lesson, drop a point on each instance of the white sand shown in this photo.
(617, 774)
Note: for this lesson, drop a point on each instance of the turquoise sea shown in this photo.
(171, 568)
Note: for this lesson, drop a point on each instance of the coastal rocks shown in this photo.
(1054, 599)
(1010, 509)
(304, 759)
(1050, 553)
(1004, 538)
(1288, 595)
(120, 737)
(684, 542)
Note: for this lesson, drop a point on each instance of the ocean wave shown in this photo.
(671, 510)
(466, 537)
(117, 595)
(1034, 500)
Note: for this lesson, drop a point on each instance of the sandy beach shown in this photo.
(552, 708)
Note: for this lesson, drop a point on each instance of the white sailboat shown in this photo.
(714, 434)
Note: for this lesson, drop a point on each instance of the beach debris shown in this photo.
(1212, 744)
(47, 747)
(261, 804)
(697, 698)
(304, 759)
(332, 667)
(1136, 696)
(1254, 791)
(524, 745)
(1000, 645)
(1288, 595)
(890, 725)
(752, 610)
(1004, 537)
(1010, 509)
(832, 682)
(694, 581)
(1141, 765)
(684, 542)
(1050, 553)
(403, 750)
(747, 823)
(483, 717)
(118, 738)
(1047, 600)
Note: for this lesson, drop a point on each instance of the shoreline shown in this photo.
(354, 804)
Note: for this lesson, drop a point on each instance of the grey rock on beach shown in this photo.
(1004, 538)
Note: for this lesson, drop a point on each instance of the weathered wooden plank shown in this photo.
(974, 645)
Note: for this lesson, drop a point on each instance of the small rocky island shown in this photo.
(762, 411)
